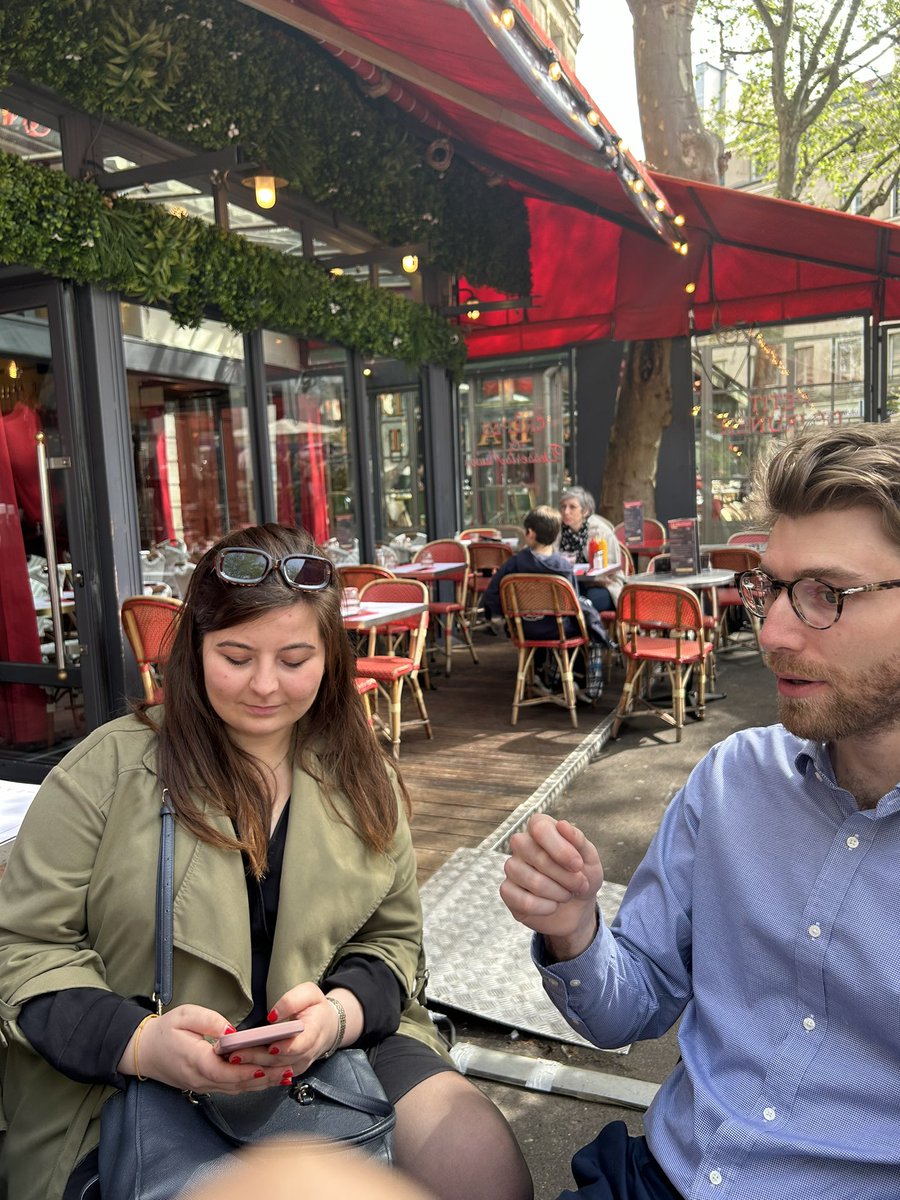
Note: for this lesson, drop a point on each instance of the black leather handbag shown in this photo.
(156, 1140)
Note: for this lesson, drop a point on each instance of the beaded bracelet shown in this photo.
(137, 1038)
(342, 1025)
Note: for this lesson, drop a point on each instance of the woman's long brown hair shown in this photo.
(199, 763)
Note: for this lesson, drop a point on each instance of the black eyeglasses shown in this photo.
(244, 567)
(817, 603)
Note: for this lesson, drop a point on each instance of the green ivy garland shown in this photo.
(69, 229)
(205, 73)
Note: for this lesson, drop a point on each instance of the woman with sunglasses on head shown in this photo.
(295, 893)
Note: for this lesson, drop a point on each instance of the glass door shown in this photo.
(42, 702)
(398, 420)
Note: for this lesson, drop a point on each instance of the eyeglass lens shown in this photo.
(813, 602)
(244, 566)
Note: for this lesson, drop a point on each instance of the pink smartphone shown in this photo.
(261, 1035)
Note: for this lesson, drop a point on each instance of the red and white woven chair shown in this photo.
(149, 624)
(528, 597)
(661, 625)
(449, 612)
(391, 671)
(738, 559)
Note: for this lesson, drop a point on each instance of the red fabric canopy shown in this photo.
(598, 269)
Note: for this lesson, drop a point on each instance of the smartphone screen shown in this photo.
(261, 1035)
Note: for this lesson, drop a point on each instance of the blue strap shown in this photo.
(165, 894)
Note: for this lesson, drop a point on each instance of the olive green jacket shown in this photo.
(77, 909)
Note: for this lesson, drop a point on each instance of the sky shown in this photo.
(605, 65)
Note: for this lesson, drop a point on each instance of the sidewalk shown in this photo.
(618, 801)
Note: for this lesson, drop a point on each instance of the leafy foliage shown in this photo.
(819, 94)
(208, 73)
(69, 229)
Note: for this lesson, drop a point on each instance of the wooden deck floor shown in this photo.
(478, 767)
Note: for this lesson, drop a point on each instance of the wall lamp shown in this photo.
(265, 184)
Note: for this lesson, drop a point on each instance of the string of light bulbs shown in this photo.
(535, 60)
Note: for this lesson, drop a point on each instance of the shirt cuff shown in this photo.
(377, 989)
(82, 1032)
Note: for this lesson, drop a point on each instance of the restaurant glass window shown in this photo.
(892, 381)
(190, 435)
(756, 386)
(310, 441)
(398, 414)
(516, 437)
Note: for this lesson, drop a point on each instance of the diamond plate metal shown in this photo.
(479, 957)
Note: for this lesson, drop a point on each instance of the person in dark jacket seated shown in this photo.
(540, 556)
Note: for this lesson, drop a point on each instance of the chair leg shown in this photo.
(420, 703)
(394, 709)
(524, 663)
(701, 690)
(633, 672)
(466, 630)
(678, 686)
(568, 683)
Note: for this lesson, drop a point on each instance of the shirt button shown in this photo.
(814, 931)
(715, 1177)
(852, 841)
(575, 983)
(769, 1114)
(808, 1023)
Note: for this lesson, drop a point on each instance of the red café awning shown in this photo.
(598, 269)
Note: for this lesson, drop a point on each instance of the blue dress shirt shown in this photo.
(767, 912)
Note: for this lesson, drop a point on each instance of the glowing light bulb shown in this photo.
(507, 18)
(679, 220)
(660, 205)
(593, 118)
(410, 263)
(690, 288)
(554, 70)
(264, 187)
(637, 185)
(367, 371)
(472, 314)
(683, 248)
(13, 369)
(337, 270)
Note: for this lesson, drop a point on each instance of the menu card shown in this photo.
(684, 546)
(633, 520)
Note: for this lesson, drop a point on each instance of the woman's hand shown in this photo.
(174, 1049)
(321, 1025)
(553, 875)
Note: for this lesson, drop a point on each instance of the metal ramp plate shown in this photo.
(479, 958)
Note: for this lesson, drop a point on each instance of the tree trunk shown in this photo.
(675, 141)
(634, 443)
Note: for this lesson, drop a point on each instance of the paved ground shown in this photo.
(618, 801)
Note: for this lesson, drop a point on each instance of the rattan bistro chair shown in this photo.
(390, 671)
(447, 613)
(531, 597)
(661, 625)
(149, 624)
(738, 559)
(485, 559)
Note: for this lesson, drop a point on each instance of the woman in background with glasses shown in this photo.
(295, 893)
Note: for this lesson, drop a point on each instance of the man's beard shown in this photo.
(855, 703)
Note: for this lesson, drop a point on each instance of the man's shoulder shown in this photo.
(763, 751)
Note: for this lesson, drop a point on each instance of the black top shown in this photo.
(83, 1032)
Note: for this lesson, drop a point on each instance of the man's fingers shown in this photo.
(542, 881)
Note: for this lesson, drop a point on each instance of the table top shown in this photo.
(711, 577)
(381, 612)
(645, 547)
(418, 570)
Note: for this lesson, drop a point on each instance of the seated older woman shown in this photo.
(580, 523)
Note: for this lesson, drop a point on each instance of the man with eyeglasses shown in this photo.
(765, 913)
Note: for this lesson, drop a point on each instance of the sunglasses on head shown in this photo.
(243, 567)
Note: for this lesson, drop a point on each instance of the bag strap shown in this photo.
(165, 919)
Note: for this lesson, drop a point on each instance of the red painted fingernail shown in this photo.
(287, 1073)
(273, 1016)
(274, 1050)
(235, 1058)
(287, 1081)
(230, 1029)
(259, 1074)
